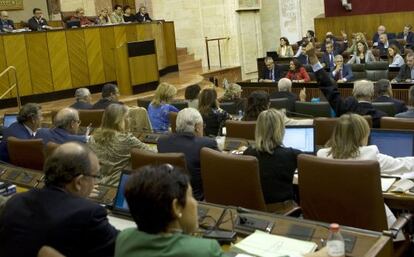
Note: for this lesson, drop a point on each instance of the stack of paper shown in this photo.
(386, 183)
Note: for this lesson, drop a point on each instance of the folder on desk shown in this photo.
(266, 245)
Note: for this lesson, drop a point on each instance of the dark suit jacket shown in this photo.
(15, 130)
(384, 51)
(325, 59)
(35, 26)
(81, 106)
(58, 136)
(143, 18)
(346, 73)
(277, 73)
(6, 24)
(190, 145)
(51, 216)
(410, 37)
(292, 97)
(399, 105)
(103, 103)
(350, 104)
(404, 73)
(375, 38)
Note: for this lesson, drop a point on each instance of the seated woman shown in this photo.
(162, 205)
(159, 107)
(394, 57)
(213, 117)
(296, 72)
(285, 49)
(233, 94)
(277, 163)
(112, 144)
(357, 37)
(191, 95)
(362, 54)
(257, 102)
(103, 18)
(128, 15)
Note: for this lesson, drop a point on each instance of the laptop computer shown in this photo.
(300, 137)
(120, 205)
(9, 119)
(395, 143)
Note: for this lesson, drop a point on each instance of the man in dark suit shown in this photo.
(328, 57)
(284, 87)
(110, 94)
(142, 15)
(189, 140)
(83, 99)
(6, 25)
(59, 215)
(383, 91)
(37, 22)
(66, 126)
(341, 72)
(272, 72)
(28, 121)
(407, 35)
(406, 73)
(359, 103)
(384, 44)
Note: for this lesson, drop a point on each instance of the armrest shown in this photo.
(294, 212)
(400, 223)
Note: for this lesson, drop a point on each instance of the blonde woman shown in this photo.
(112, 144)
(159, 108)
(357, 37)
(103, 18)
(277, 163)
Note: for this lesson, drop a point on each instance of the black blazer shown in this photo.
(51, 216)
(81, 106)
(131, 18)
(6, 24)
(35, 26)
(190, 145)
(404, 74)
(143, 18)
(103, 103)
(325, 59)
(292, 97)
(276, 172)
(350, 104)
(384, 51)
(399, 105)
(410, 37)
(277, 73)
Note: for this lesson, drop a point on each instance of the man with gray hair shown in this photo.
(284, 87)
(272, 72)
(6, 25)
(83, 99)
(383, 93)
(66, 125)
(189, 140)
(410, 112)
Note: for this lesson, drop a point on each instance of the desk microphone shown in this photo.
(300, 114)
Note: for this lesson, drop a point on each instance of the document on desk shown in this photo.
(386, 183)
(266, 245)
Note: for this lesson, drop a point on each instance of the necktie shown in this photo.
(340, 74)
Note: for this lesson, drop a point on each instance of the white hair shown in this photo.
(363, 88)
(338, 57)
(187, 119)
(82, 93)
(284, 84)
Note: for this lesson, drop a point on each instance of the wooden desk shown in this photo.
(399, 201)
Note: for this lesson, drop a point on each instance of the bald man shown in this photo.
(6, 25)
(66, 126)
(59, 215)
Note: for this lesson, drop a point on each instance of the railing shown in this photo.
(218, 45)
(11, 87)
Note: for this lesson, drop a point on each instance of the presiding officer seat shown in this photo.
(141, 158)
(26, 153)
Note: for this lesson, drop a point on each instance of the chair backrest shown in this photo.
(358, 70)
(347, 192)
(240, 129)
(397, 123)
(141, 158)
(321, 109)
(144, 102)
(47, 251)
(50, 147)
(376, 70)
(281, 103)
(26, 153)
(172, 116)
(219, 173)
(180, 104)
(387, 107)
(229, 107)
(93, 117)
(139, 120)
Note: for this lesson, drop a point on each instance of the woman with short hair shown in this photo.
(159, 107)
(214, 117)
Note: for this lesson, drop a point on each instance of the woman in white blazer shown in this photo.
(394, 57)
(363, 55)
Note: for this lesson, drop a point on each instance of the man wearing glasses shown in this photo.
(59, 215)
(66, 125)
(272, 72)
(37, 22)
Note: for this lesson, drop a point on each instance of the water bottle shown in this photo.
(240, 117)
(335, 243)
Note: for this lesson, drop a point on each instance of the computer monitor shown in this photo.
(9, 119)
(300, 137)
(120, 204)
(395, 143)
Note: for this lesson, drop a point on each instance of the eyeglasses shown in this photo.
(98, 177)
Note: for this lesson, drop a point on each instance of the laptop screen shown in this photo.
(120, 201)
(9, 119)
(301, 138)
(395, 143)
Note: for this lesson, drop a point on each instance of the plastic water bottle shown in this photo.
(240, 117)
(335, 244)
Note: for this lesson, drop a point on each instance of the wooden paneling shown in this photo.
(170, 47)
(4, 81)
(108, 47)
(16, 55)
(158, 34)
(144, 32)
(59, 60)
(120, 35)
(131, 34)
(147, 67)
(122, 70)
(94, 56)
(39, 63)
(77, 58)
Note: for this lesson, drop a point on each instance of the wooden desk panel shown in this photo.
(170, 45)
(4, 81)
(108, 55)
(59, 60)
(94, 56)
(78, 59)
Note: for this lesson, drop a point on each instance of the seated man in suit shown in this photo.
(383, 92)
(28, 121)
(359, 103)
(407, 35)
(406, 73)
(83, 99)
(6, 25)
(272, 72)
(37, 22)
(410, 112)
(329, 56)
(142, 15)
(189, 140)
(66, 128)
(375, 39)
(284, 87)
(110, 94)
(384, 44)
(341, 72)
(59, 215)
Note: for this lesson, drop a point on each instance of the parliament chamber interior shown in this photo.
(206, 128)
